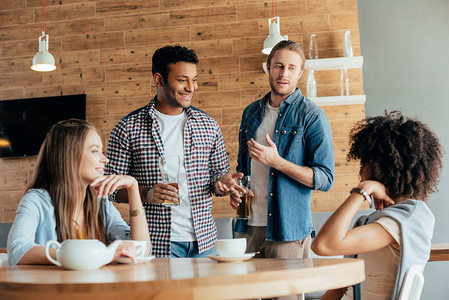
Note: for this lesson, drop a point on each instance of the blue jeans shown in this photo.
(188, 249)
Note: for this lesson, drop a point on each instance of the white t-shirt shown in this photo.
(172, 134)
(259, 172)
(381, 266)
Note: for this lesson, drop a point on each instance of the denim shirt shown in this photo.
(303, 136)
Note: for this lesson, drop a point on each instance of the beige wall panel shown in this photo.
(39, 3)
(14, 17)
(182, 4)
(13, 179)
(224, 30)
(165, 35)
(11, 196)
(326, 90)
(329, 77)
(117, 89)
(124, 106)
(252, 63)
(247, 46)
(15, 65)
(123, 7)
(93, 41)
(331, 6)
(75, 76)
(203, 16)
(21, 79)
(243, 81)
(25, 31)
(263, 10)
(210, 48)
(65, 12)
(11, 94)
(29, 47)
(46, 91)
(218, 65)
(344, 183)
(347, 21)
(152, 20)
(73, 27)
(290, 26)
(127, 55)
(345, 111)
(6, 4)
(79, 58)
(124, 72)
(202, 100)
(249, 96)
(232, 116)
(208, 83)
(341, 146)
(230, 133)
(96, 107)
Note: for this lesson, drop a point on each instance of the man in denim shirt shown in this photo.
(285, 144)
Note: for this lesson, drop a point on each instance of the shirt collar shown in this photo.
(289, 100)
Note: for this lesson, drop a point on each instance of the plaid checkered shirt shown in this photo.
(134, 147)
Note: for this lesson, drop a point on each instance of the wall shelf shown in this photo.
(339, 100)
(337, 63)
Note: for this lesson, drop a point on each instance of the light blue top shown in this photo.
(302, 135)
(35, 224)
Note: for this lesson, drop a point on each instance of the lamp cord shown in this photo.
(273, 8)
(43, 26)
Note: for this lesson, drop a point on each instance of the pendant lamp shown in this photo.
(43, 61)
(274, 35)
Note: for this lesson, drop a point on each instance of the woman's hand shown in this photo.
(106, 185)
(125, 249)
(379, 193)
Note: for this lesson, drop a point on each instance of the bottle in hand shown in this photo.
(244, 208)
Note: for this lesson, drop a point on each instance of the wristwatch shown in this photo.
(364, 193)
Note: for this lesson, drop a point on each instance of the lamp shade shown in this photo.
(43, 61)
(274, 36)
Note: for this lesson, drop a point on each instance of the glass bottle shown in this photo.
(347, 45)
(313, 47)
(344, 82)
(311, 85)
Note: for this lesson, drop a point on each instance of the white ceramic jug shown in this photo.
(81, 254)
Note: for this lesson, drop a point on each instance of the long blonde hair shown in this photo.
(58, 172)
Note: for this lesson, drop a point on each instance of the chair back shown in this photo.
(413, 283)
(3, 260)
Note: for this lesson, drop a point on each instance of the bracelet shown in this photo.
(136, 212)
(364, 193)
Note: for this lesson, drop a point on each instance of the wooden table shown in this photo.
(182, 278)
(439, 252)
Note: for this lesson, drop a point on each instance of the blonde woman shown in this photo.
(68, 198)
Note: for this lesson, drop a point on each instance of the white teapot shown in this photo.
(81, 254)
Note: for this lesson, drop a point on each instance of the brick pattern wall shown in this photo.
(104, 48)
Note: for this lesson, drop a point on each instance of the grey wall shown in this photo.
(405, 45)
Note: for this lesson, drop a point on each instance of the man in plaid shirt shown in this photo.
(191, 145)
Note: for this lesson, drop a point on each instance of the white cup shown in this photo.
(141, 247)
(230, 247)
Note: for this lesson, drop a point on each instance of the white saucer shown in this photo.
(239, 258)
(127, 260)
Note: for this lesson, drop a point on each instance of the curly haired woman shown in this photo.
(400, 165)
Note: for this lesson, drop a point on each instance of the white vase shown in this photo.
(347, 45)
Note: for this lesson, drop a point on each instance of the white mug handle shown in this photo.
(140, 250)
(47, 252)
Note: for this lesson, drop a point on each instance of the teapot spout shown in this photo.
(110, 251)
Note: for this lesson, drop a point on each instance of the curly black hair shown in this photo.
(167, 55)
(401, 153)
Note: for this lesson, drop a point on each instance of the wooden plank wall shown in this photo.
(104, 48)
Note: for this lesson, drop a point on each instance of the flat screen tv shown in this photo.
(24, 123)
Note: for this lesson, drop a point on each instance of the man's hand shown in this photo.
(227, 185)
(161, 192)
(266, 155)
